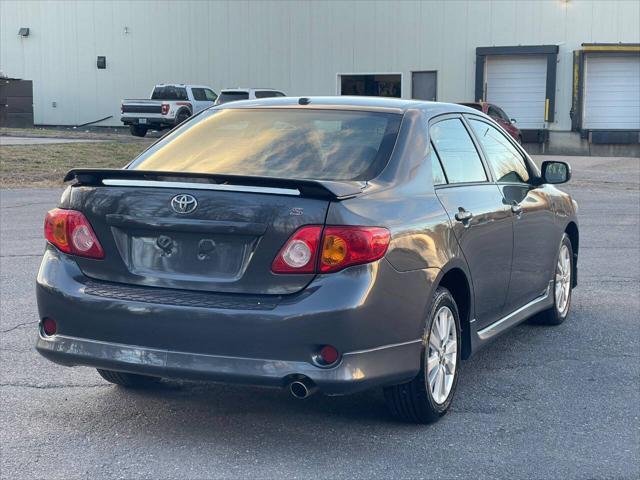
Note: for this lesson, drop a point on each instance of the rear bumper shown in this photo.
(151, 122)
(371, 313)
(356, 370)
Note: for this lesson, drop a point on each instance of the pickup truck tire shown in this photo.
(182, 116)
(138, 130)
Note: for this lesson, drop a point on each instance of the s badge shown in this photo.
(296, 211)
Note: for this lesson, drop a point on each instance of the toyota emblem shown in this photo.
(184, 203)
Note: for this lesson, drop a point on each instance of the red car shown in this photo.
(499, 116)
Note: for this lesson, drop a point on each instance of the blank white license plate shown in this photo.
(142, 120)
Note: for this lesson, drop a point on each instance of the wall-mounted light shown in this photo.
(126, 30)
(23, 32)
(101, 63)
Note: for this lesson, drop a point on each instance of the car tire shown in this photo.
(182, 116)
(561, 301)
(137, 130)
(415, 401)
(129, 380)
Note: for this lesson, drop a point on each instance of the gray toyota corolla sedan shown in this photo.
(316, 244)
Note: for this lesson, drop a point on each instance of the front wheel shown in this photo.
(562, 287)
(428, 396)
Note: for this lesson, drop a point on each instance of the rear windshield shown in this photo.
(477, 106)
(169, 93)
(226, 97)
(268, 94)
(282, 143)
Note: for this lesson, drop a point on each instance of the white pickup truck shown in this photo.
(170, 104)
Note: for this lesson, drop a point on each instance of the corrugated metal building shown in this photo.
(555, 65)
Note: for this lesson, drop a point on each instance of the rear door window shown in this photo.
(198, 94)
(439, 177)
(505, 160)
(283, 143)
(460, 159)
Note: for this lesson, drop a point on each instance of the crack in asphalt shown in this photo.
(20, 205)
(594, 278)
(20, 325)
(607, 247)
(558, 360)
(54, 386)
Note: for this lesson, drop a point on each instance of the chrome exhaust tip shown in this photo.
(302, 388)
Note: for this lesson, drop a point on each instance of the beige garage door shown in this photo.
(518, 85)
(611, 92)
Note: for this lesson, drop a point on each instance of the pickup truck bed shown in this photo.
(169, 106)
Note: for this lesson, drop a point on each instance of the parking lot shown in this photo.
(540, 402)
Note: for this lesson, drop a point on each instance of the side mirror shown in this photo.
(555, 172)
(513, 120)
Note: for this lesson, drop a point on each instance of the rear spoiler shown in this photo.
(327, 189)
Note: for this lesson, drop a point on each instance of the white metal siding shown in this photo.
(611, 92)
(518, 85)
(296, 46)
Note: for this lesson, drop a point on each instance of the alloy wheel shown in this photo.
(443, 354)
(563, 280)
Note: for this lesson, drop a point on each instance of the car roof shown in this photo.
(240, 89)
(181, 85)
(397, 105)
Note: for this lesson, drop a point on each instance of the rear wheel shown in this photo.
(138, 130)
(562, 287)
(127, 379)
(428, 396)
(182, 116)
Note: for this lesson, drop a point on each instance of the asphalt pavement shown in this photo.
(540, 402)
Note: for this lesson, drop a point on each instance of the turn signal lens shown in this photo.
(346, 246)
(70, 232)
(55, 230)
(334, 250)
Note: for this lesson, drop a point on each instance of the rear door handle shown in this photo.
(463, 215)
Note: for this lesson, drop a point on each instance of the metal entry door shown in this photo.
(424, 86)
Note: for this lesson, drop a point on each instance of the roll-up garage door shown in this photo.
(611, 92)
(518, 85)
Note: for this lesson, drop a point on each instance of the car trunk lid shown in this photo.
(154, 234)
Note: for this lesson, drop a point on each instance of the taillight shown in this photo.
(314, 250)
(164, 109)
(300, 253)
(346, 246)
(70, 231)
